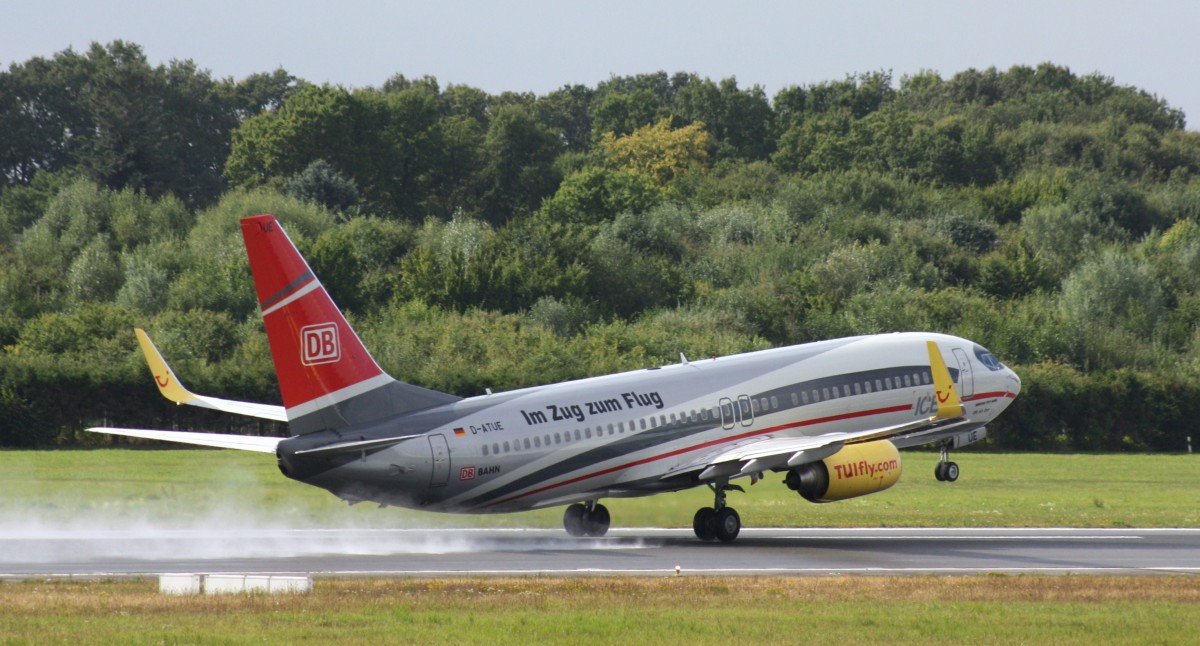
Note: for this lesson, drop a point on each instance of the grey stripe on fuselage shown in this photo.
(441, 419)
(651, 438)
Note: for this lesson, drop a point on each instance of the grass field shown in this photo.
(686, 610)
(1001, 490)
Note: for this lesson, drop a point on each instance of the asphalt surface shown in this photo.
(31, 553)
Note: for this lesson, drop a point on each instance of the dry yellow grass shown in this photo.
(686, 610)
(140, 597)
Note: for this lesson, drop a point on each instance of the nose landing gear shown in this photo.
(946, 471)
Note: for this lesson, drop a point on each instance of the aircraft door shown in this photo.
(736, 412)
(966, 378)
(747, 417)
(441, 460)
(728, 413)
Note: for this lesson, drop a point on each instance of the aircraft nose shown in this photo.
(1014, 383)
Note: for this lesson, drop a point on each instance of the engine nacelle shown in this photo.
(856, 470)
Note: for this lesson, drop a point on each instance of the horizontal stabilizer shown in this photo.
(219, 440)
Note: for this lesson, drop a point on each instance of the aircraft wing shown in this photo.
(171, 388)
(767, 453)
(218, 440)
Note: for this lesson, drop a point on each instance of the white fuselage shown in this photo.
(647, 431)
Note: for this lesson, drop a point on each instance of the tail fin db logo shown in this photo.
(319, 344)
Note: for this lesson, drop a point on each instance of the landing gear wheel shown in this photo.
(596, 520)
(728, 524)
(718, 522)
(946, 470)
(705, 524)
(573, 520)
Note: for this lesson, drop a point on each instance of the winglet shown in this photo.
(948, 403)
(168, 384)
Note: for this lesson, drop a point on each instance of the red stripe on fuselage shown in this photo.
(704, 445)
(975, 398)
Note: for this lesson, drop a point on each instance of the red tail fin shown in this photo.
(321, 363)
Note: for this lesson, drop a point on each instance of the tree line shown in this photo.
(498, 241)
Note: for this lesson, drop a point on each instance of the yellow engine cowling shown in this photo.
(856, 470)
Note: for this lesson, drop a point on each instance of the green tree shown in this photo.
(621, 113)
(593, 195)
(316, 122)
(519, 168)
(568, 110)
(95, 275)
(321, 184)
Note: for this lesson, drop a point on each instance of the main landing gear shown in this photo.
(718, 522)
(946, 471)
(590, 519)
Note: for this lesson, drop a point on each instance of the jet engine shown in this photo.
(856, 470)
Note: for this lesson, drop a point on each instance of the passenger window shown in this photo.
(557, 438)
(878, 386)
(587, 433)
(506, 446)
(907, 382)
(610, 429)
(485, 449)
(537, 442)
(804, 395)
(796, 400)
(496, 448)
(642, 423)
(825, 392)
(662, 419)
(857, 389)
(620, 427)
(526, 442)
(578, 435)
(774, 402)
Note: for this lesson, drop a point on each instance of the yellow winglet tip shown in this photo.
(949, 405)
(168, 384)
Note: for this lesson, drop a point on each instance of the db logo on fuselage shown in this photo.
(319, 344)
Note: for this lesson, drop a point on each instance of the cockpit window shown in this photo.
(988, 359)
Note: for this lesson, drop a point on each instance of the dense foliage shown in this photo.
(497, 241)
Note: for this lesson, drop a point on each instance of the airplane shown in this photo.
(829, 416)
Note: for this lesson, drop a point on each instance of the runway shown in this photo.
(631, 551)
